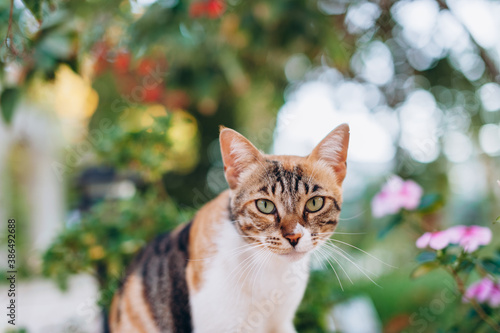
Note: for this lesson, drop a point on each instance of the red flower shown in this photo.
(145, 66)
(215, 8)
(153, 94)
(148, 66)
(197, 9)
(211, 8)
(100, 52)
(122, 62)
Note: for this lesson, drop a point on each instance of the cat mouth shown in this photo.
(294, 255)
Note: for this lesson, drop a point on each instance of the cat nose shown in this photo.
(293, 238)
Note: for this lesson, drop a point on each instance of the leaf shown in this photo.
(8, 101)
(491, 266)
(497, 220)
(426, 257)
(465, 266)
(424, 269)
(57, 46)
(448, 259)
(35, 7)
(392, 224)
(430, 202)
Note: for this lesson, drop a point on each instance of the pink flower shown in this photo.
(484, 291)
(435, 240)
(395, 195)
(468, 237)
(495, 296)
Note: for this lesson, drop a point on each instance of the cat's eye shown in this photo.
(315, 204)
(265, 206)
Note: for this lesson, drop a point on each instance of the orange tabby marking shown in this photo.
(201, 239)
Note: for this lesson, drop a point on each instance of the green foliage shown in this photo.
(143, 150)
(106, 238)
(461, 265)
(16, 330)
(317, 301)
(394, 222)
(491, 266)
(35, 7)
(431, 203)
(426, 257)
(55, 43)
(424, 269)
(8, 100)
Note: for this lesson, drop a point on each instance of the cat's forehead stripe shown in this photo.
(264, 189)
(289, 180)
(317, 188)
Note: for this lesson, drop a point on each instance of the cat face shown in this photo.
(285, 204)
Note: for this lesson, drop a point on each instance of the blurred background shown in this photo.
(110, 114)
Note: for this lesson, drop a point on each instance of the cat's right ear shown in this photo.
(237, 154)
(333, 150)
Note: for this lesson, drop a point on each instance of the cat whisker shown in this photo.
(347, 254)
(335, 249)
(252, 246)
(252, 260)
(349, 233)
(235, 251)
(260, 246)
(249, 265)
(262, 264)
(241, 268)
(341, 267)
(353, 217)
(340, 233)
(318, 259)
(257, 259)
(326, 257)
(351, 257)
(244, 264)
(368, 254)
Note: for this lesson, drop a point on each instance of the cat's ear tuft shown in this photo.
(333, 150)
(237, 154)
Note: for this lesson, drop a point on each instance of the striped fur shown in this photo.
(234, 268)
(154, 296)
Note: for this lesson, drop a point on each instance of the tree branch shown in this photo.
(9, 36)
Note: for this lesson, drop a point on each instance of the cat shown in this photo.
(241, 265)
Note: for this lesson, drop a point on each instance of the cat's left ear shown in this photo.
(333, 150)
(237, 154)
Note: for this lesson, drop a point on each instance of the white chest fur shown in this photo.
(247, 289)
